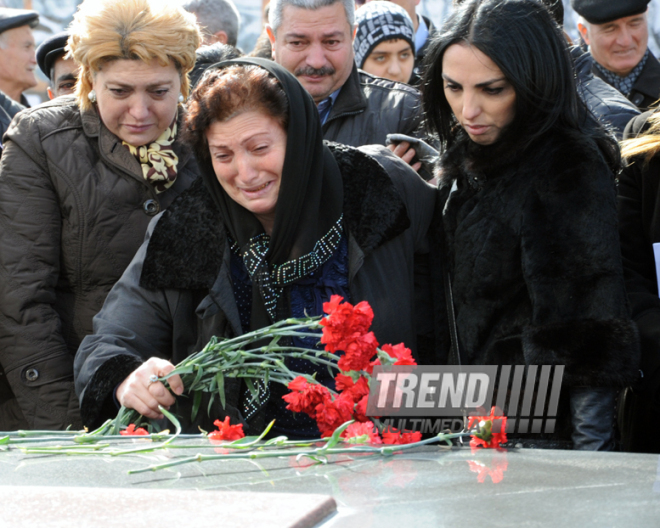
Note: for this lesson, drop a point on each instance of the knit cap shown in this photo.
(378, 21)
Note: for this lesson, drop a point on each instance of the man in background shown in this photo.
(313, 39)
(424, 32)
(219, 20)
(617, 35)
(60, 70)
(17, 59)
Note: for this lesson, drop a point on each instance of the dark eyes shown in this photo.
(493, 91)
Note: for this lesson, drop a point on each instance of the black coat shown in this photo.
(606, 103)
(369, 107)
(639, 227)
(177, 292)
(532, 247)
(639, 224)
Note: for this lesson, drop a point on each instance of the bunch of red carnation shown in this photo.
(346, 329)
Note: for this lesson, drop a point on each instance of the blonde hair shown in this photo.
(106, 30)
(647, 144)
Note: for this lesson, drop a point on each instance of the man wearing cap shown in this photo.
(17, 59)
(617, 35)
(62, 71)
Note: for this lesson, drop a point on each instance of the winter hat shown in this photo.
(379, 21)
(603, 11)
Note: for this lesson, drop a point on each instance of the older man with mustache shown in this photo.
(313, 39)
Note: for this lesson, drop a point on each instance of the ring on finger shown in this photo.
(153, 379)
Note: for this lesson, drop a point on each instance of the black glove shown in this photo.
(423, 152)
(592, 415)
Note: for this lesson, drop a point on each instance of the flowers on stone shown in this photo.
(491, 430)
(394, 436)
(226, 431)
(132, 431)
(346, 330)
(361, 433)
(332, 413)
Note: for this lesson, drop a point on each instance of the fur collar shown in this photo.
(476, 163)
(187, 245)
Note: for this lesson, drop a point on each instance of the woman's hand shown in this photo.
(404, 151)
(139, 392)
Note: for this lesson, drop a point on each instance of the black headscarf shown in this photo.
(310, 200)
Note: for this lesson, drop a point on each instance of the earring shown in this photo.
(181, 99)
(92, 96)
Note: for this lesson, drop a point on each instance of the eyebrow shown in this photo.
(66, 77)
(480, 85)
(324, 35)
(150, 85)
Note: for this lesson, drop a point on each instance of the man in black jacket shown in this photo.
(617, 36)
(315, 42)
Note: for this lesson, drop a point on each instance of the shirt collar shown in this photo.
(325, 105)
(421, 35)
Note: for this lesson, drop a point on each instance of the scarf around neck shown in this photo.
(309, 206)
(158, 160)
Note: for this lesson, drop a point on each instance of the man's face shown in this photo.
(65, 75)
(316, 46)
(618, 45)
(17, 60)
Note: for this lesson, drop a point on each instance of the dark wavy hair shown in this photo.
(223, 93)
(521, 38)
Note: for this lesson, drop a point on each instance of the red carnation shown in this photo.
(394, 436)
(305, 396)
(358, 352)
(344, 323)
(132, 431)
(491, 430)
(332, 413)
(361, 409)
(402, 354)
(361, 433)
(226, 431)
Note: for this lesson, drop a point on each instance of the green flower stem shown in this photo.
(387, 450)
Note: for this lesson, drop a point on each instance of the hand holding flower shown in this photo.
(138, 391)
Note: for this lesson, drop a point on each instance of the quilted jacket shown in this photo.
(74, 209)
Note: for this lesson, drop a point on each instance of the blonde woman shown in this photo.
(81, 178)
(639, 225)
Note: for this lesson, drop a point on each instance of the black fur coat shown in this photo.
(530, 240)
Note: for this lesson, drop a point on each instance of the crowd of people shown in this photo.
(486, 184)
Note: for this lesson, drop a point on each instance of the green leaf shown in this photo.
(220, 379)
(4, 440)
(208, 409)
(196, 403)
(200, 373)
(253, 390)
(334, 439)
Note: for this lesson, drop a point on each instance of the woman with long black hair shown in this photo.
(526, 229)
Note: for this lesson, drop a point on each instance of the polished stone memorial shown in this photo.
(429, 486)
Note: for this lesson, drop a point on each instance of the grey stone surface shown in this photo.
(427, 487)
(59, 507)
